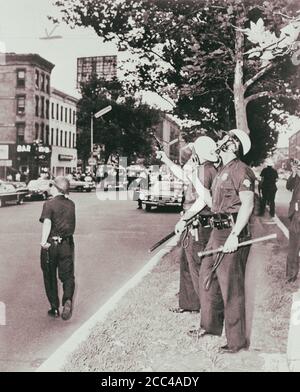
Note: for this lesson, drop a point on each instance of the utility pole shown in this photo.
(92, 133)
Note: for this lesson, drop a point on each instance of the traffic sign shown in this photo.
(92, 161)
(103, 111)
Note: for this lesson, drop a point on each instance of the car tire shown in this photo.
(88, 190)
(45, 196)
(148, 207)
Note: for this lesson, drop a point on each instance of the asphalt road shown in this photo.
(112, 239)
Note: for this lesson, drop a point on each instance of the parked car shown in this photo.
(163, 194)
(21, 187)
(81, 185)
(9, 193)
(38, 189)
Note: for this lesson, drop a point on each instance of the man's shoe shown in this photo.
(197, 333)
(180, 310)
(291, 280)
(67, 311)
(53, 312)
(226, 350)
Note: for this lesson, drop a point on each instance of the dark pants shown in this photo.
(292, 264)
(268, 197)
(225, 298)
(58, 258)
(189, 269)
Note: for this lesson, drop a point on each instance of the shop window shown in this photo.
(37, 79)
(42, 107)
(21, 74)
(20, 133)
(37, 131)
(37, 100)
(21, 104)
(57, 137)
(47, 109)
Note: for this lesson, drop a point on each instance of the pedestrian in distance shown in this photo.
(269, 177)
(223, 293)
(57, 247)
(293, 184)
(197, 174)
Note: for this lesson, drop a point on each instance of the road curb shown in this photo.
(59, 358)
(293, 349)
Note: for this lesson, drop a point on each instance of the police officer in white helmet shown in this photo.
(197, 174)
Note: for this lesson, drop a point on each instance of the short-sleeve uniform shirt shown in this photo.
(231, 179)
(61, 212)
(206, 174)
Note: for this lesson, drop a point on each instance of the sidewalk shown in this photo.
(141, 334)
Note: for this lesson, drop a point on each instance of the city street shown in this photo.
(112, 240)
(282, 200)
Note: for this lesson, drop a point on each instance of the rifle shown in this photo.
(172, 234)
(209, 278)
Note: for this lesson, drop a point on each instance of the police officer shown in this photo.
(268, 187)
(292, 264)
(232, 205)
(57, 247)
(197, 175)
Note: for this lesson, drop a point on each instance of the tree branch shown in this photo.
(258, 75)
(262, 94)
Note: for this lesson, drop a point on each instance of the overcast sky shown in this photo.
(23, 22)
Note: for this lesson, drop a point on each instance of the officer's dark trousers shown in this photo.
(292, 264)
(189, 269)
(61, 260)
(226, 295)
(268, 197)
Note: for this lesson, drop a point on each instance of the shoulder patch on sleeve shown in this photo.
(247, 183)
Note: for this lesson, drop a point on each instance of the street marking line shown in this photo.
(282, 226)
(58, 359)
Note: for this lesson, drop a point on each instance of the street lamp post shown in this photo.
(92, 133)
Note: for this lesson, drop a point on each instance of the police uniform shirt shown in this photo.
(206, 174)
(61, 212)
(233, 178)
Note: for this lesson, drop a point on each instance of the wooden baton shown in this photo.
(245, 243)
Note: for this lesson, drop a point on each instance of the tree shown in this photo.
(219, 60)
(124, 131)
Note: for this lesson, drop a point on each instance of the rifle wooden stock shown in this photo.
(160, 242)
(245, 243)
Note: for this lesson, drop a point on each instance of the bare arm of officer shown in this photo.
(45, 233)
(198, 205)
(203, 192)
(176, 169)
(247, 200)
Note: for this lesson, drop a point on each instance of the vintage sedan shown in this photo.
(162, 194)
(81, 185)
(38, 189)
(9, 194)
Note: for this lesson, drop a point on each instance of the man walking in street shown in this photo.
(222, 292)
(292, 264)
(57, 247)
(269, 177)
(197, 175)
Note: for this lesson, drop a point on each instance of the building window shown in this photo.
(57, 111)
(70, 139)
(37, 100)
(52, 137)
(47, 84)
(57, 137)
(74, 117)
(73, 140)
(70, 116)
(42, 136)
(21, 104)
(37, 79)
(20, 133)
(47, 109)
(42, 107)
(47, 135)
(52, 110)
(66, 139)
(37, 129)
(21, 73)
(66, 114)
(61, 113)
(61, 138)
(43, 82)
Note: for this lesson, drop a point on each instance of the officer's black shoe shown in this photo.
(67, 310)
(53, 312)
(197, 333)
(226, 350)
(180, 310)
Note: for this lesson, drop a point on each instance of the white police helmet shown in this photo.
(205, 148)
(244, 139)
